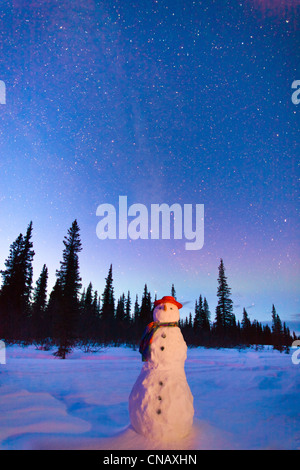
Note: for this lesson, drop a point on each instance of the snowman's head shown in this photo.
(166, 310)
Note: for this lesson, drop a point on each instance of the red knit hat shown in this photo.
(167, 299)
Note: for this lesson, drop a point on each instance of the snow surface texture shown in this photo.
(161, 403)
(243, 400)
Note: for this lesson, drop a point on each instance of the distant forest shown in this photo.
(71, 317)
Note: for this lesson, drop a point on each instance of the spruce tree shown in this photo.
(88, 299)
(267, 335)
(27, 259)
(108, 309)
(16, 288)
(219, 320)
(82, 299)
(205, 316)
(173, 292)
(120, 310)
(53, 310)
(87, 324)
(146, 308)
(96, 313)
(136, 312)
(276, 322)
(201, 326)
(246, 323)
(39, 305)
(96, 305)
(120, 320)
(10, 304)
(70, 285)
(277, 330)
(287, 339)
(225, 319)
(128, 309)
(198, 313)
(256, 332)
(246, 328)
(128, 331)
(136, 318)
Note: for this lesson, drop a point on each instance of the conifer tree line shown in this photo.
(70, 316)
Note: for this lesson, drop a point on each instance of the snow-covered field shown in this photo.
(243, 400)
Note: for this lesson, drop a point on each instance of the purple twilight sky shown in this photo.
(163, 101)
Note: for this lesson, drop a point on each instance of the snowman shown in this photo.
(161, 403)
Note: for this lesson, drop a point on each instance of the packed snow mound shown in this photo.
(161, 404)
(168, 349)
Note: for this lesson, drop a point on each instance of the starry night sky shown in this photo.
(164, 101)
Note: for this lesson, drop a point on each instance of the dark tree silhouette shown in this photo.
(198, 314)
(26, 260)
(277, 330)
(96, 305)
(219, 324)
(128, 309)
(70, 284)
(39, 305)
(246, 327)
(146, 308)
(173, 292)
(53, 311)
(197, 331)
(108, 309)
(16, 288)
(205, 317)
(136, 312)
(86, 330)
(225, 318)
(9, 303)
(120, 324)
(246, 323)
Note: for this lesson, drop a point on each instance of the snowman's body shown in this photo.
(161, 403)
